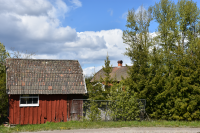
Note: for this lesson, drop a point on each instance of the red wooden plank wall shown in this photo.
(51, 108)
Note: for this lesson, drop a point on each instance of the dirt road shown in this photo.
(127, 130)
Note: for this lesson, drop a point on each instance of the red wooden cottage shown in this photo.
(42, 90)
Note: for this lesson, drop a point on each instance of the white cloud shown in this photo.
(39, 30)
(25, 7)
(110, 11)
(77, 3)
(140, 9)
(43, 56)
(85, 40)
(28, 28)
(113, 44)
(124, 15)
(90, 71)
(61, 9)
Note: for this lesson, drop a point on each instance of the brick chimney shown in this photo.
(120, 63)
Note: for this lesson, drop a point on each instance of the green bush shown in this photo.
(123, 105)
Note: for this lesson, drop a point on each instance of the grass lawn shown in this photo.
(99, 124)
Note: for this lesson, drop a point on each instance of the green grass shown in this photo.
(99, 124)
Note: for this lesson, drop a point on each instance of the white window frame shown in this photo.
(28, 105)
(102, 86)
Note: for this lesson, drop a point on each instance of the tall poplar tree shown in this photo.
(165, 14)
(178, 97)
(188, 14)
(137, 38)
(166, 71)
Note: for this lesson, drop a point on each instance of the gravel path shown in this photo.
(127, 130)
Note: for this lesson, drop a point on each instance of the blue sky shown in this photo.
(99, 15)
(83, 30)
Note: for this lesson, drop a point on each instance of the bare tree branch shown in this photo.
(23, 55)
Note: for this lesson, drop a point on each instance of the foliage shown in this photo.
(95, 91)
(3, 55)
(100, 90)
(165, 70)
(138, 39)
(107, 80)
(123, 105)
(181, 101)
(88, 86)
(188, 14)
(3, 95)
(136, 36)
(93, 112)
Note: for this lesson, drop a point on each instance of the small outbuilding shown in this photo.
(42, 90)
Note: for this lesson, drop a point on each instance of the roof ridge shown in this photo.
(38, 59)
(112, 67)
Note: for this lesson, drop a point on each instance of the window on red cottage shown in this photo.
(29, 100)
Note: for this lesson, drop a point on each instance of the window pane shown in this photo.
(35, 100)
(29, 101)
(23, 101)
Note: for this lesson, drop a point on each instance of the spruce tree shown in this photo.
(99, 90)
(165, 72)
(155, 81)
(107, 80)
(178, 101)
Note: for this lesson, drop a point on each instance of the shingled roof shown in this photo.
(117, 72)
(40, 76)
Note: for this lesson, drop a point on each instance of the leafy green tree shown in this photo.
(93, 112)
(124, 104)
(181, 92)
(165, 70)
(155, 81)
(178, 99)
(165, 15)
(94, 89)
(188, 14)
(3, 96)
(141, 80)
(137, 38)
